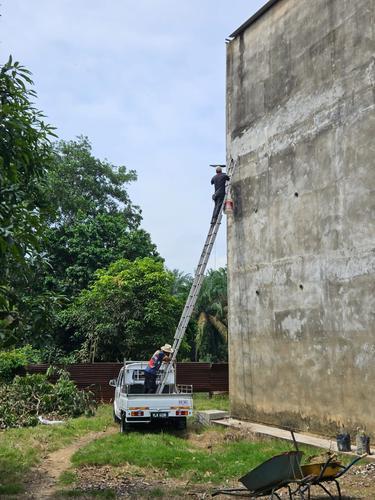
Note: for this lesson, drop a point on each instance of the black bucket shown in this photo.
(363, 444)
(343, 442)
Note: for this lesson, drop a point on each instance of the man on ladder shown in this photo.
(221, 190)
(219, 181)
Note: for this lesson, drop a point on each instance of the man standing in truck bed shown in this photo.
(159, 357)
(219, 180)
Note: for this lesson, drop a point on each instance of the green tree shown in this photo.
(25, 155)
(211, 314)
(181, 284)
(128, 311)
(82, 186)
(78, 249)
(95, 222)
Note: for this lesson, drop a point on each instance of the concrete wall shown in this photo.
(300, 122)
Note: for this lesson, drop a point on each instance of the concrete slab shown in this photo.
(309, 439)
(206, 417)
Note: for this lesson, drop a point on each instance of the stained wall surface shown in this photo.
(300, 125)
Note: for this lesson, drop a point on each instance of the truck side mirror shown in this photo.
(112, 382)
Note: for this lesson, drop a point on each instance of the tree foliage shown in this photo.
(81, 186)
(78, 249)
(25, 154)
(129, 311)
(95, 222)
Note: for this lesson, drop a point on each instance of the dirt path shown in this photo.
(43, 484)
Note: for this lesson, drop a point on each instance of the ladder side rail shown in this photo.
(188, 310)
(178, 339)
(179, 335)
(194, 293)
(199, 274)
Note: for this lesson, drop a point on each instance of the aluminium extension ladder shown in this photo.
(196, 286)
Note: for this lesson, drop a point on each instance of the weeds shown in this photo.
(21, 449)
(179, 458)
(202, 401)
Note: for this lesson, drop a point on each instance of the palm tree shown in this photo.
(181, 283)
(211, 313)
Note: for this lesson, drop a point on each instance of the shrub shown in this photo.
(11, 362)
(23, 400)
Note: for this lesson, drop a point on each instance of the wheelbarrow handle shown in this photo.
(330, 459)
(345, 469)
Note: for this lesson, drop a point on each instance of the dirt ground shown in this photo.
(130, 482)
(42, 483)
(139, 483)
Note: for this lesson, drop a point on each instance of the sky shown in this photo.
(145, 81)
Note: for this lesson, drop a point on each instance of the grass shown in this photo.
(22, 449)
(156, 493)
(77, 493)
(67, 477)
(10, 489)
(202, 401)
(178, 458)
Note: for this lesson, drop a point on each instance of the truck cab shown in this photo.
(132, 406)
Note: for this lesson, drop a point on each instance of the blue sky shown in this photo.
(145, 81)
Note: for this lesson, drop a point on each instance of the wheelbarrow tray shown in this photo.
(315, 469)
(274, 472)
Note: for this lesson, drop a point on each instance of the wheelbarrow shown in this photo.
(284, 470)
(265, 480)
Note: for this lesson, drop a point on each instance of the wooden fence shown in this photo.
(204, 377)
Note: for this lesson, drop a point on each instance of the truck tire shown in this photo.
(115, 417)
(180, 423)
(124, 426)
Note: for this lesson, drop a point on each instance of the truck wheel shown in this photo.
(180, 423)
(115, 417)
(124, 426)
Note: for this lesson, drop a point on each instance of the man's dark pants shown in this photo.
(150, 383)
(218, 202)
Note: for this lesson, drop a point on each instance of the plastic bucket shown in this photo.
(363, 444)
(343, 442)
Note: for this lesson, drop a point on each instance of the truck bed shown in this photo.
(146, 407)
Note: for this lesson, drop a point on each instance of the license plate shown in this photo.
(159, 414)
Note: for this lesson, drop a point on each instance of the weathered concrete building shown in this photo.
(301, 242)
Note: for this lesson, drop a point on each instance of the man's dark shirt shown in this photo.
(219, 181)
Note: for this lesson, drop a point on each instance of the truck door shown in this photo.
(117, 392)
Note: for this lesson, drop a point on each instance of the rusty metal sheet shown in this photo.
(204, 377)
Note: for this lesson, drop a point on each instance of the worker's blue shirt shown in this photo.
(155, 362)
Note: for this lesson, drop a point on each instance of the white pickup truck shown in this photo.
(132, 406)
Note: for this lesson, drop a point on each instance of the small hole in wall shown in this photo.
(257, 292)
(255, 210)
(301, 287)
(296, 195)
